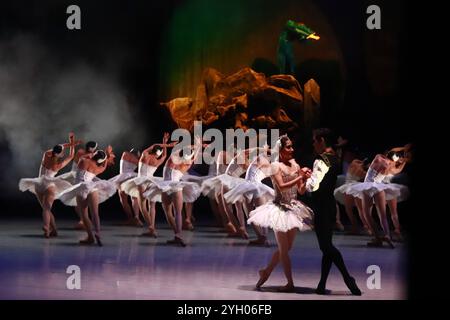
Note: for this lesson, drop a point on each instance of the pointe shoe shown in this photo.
(339, 226)
(230, 228)
(187, 225)
(388, 240)
(150, 233)
(177, 241)
(46, 232)
(263, 276)
(53, 233)
(243, 233)
(137, 222)
(87, 241)
(98, 240)
(351, 284)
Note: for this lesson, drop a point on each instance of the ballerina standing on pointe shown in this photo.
(128, 164)
(89, 148)
(252, 193)
(174, 191)
(285, 214)
(374, 189)
(151, 158)
(47, 186)
(89, 193)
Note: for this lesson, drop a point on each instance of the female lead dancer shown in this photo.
(151, 158)
(89, 193)
(47, 186)
(285, 214)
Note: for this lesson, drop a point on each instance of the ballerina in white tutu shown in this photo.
(128, 164)
(285, 214)
(252, 193)
(174, 191)
(90, 148)
(151, 158)
(47, 186)
(374, 190)
(88, 193)
(229, 171)
(355, 174)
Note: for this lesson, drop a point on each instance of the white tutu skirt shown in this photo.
(121, 178)
(132, 186)
(212, 186)
(342, 191)
(249, 190)
(283, 217)
(104, 188)
(191, 190)
(392, 190)
(42, 183)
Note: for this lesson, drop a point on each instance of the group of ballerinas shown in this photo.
(367, 184)
(264, 207)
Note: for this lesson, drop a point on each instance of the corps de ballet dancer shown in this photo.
(174, 191)
(229, 172)
(151, 158)
(252, 193)
(374, 190)
(285, 214)
(355, 174)
(320, 183)
(128, 164)
(216, 168)
(88, 193)
(89, 148)
(47, 186)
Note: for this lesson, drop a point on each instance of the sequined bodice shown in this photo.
(287, 195)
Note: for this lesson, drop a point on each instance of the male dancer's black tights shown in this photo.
(324, 220)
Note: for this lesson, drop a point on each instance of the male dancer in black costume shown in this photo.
(321, 184)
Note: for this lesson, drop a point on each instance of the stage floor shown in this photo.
(212, 266)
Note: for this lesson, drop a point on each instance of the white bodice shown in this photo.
(388, 178)
(234, 169)
(43, 171)
(171, 174)
(127, 166)
(145, 170)
(83, 175)
(374, 176)
(74, 166)
(254, 173)
(351, 178)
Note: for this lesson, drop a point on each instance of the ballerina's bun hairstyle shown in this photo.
(155, 149)
(57, 149)
(91, 144)
(99, 156)
(327, 135)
